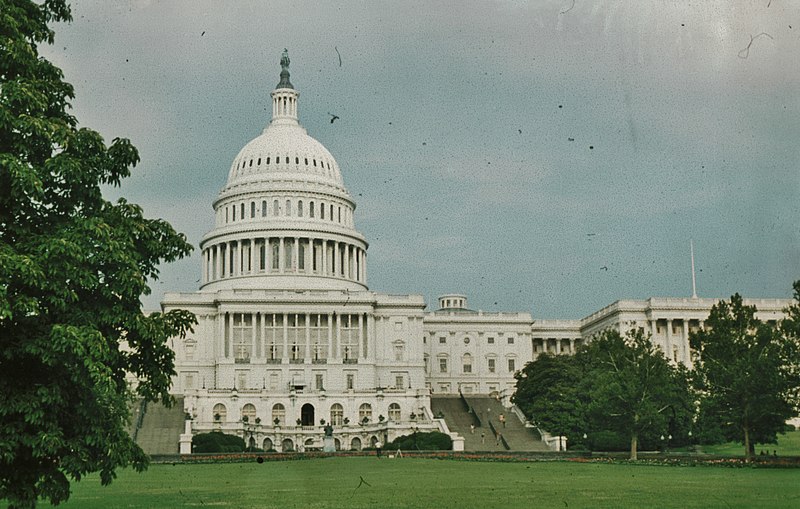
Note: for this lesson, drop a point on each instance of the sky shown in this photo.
(549, 157)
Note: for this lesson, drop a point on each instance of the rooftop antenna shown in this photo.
(694, 280)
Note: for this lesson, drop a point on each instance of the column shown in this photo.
(558, 346)
(369, 352)
(308, 337)
(364, 268)
(338, 336)
(296, 254)
(237, 253)
(686, 355)
(281, 256)
(348, 272)
(254, 322)
(335, 259)
(285, 337)
(572, 345)
(361, 346)
(324, 257)
(669, 344)
(229, 339)
(252, 256)
(330, 337)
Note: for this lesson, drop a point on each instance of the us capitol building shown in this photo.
(289, 336)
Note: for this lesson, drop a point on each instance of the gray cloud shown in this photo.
(689, 140)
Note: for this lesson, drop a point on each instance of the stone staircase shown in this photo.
(458, 419)
(515, 434)
(161, 428)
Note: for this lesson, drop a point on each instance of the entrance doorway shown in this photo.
(307, 415)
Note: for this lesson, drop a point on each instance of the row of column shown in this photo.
(559, 347)
(675, 348)
(259, 346)
(284, 255)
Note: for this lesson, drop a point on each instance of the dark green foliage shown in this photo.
(549, 389)
(433, 441)
(615, 388)
(748, 373)
(217, 441)
(72, 269)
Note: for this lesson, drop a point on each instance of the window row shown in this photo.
(489, 340)
(278, 415)
(248, 163)
(467, 364)
(287, 208)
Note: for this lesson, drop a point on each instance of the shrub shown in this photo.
(216, 441)
(434, 441)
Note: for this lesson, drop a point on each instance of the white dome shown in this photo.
(285, 152)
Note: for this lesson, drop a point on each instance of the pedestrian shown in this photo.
(378, 446)
(502, 420)
(483, 437)
(498, 438)
(472, 429)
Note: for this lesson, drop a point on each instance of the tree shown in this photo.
(549, 392)
(748, 372)
(72, 269)
(634, 389)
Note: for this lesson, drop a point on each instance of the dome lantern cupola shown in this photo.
(284, 97)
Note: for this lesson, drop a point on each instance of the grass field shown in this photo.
(430, 483)
(788, 445)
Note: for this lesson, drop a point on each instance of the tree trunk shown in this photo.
(634, 446)
(749, 449)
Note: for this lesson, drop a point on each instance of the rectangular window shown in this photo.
(492, 366)
(242, 336)
(467, 368)
(511, 365)
(442, 340)
(351, 381)
(490, 340)
(399, 382)
(318, 382)
(443, 365)
(510, 340)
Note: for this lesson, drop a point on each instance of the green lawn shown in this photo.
(788, 445)
(431, 483)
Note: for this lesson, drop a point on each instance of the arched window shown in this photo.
(306, 161)
(296, 160)
(331, 216)
(321, 211)
(276, 209)
(259, 162)
(226, 215)
(288, 207)
(311, 209)
(242, 208)
(340, 215)
(337, 414)
(300, 208)
(268, 160)
(252, 209)
(394, 412)
(365, 412)
(249, 411)
(426, 359)
(263, 208)
(278, 414)
(251, 163)
(287, 159)
(233, 208)
(315, 162)
(220, 413)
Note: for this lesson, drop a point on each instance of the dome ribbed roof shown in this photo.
(285, 152)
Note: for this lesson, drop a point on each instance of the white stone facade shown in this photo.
(289, 335)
